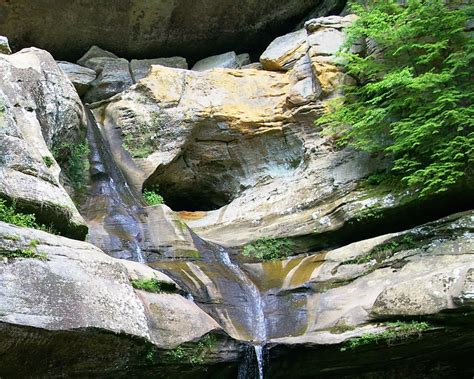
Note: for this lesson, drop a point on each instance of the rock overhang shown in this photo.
(139, 28)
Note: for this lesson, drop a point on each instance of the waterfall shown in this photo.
(117, 217)
(257, 312)
(259, 355)
(112, 209)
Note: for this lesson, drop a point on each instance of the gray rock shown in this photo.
(141, 67)
(254, 66)
(324, 8)
(40, 109)
(113, 75)
(226, 60)
(83, 295)
(284, 51)
(80, 76)
(4, 46)
(95, 52)
(243, 59)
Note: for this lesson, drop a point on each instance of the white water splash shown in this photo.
(259, 355)
(140, 257)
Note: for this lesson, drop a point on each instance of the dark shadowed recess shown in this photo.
(144, 29)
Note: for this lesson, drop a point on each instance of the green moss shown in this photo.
(74, 160)
(30, 251)
(395, 332)
(268, 249)
(194, 355)
(144, 139)
(48, 161)
(152, 196)
(153, 285)
(385, 251)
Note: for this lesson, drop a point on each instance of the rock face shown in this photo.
(39, 108)
(81, 294)
(421, 272)
(240, 147)
(137, 28)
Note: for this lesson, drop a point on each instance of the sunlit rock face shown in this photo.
(420, 272)
(140, 28)
(39, 108)
(78, 297)
(239, 148)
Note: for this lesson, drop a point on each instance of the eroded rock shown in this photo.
(143, 28)
(76, 291)
(40, 109)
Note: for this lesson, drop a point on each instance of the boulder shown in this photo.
(95, 52)
(243, 60)
(141, 67)
(415, 273)
(4, 46)
(74, 292)
(284, 51)
(113, 74)
(140, 28)
(81, 77)
(40, 109)
(226, 60)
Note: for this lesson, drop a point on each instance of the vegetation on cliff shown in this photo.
(412, 95)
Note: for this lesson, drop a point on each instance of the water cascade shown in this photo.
(120, 225)
(114, 213)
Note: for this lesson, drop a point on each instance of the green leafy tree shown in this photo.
(413, 90)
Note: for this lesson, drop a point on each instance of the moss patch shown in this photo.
(153, 285)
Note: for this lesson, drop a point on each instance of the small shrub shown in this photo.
(395, 332)
(152, 285)
(28, 252)
(74, 159)
(268, 249)
(193, 355)
(48, 161)
(10, 214)
(152, 197)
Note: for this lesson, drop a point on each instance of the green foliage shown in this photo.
(48, 161)
(194, 355)
(143, 141)
(269, 249)
(152, 197)
(74, 159)
(395, 332)
(153, 285)
(384, 251)
(412, 99)
(10, 214)
(28, 252)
